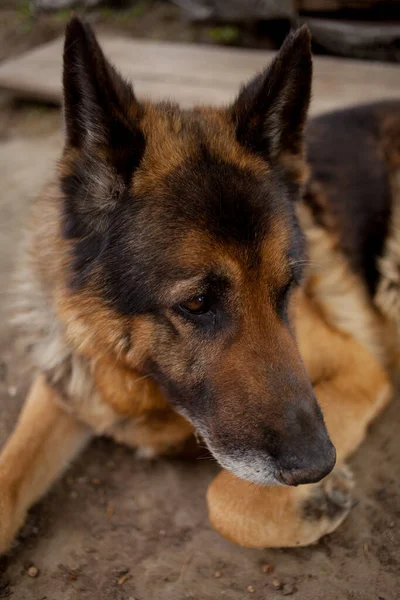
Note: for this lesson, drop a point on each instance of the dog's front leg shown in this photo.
(43, 443)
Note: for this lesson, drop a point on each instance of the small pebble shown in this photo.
(217, 574)
(250, 589)
(122, 579)
(267, 568)
(33, 571)
(288, 589)
(12, 390)
(276, 584)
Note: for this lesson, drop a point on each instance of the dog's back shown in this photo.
(354, 193)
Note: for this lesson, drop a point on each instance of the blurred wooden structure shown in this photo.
(193, 74)
(334, 5)
(368, 29)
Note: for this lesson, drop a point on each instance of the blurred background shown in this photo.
(355, 28)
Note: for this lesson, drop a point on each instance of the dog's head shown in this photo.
(183, 223)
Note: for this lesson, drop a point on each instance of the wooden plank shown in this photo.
(196, 74)
(334, 5)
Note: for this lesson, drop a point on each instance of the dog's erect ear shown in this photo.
(100, 107)
(270, 112)
(102, 118)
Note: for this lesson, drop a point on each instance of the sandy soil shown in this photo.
(115, 528)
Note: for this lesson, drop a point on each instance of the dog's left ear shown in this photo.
(270, 112)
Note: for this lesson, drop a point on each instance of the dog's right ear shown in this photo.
(102, 119)
(270, 111)
(99, 106)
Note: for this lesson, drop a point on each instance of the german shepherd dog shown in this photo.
(187, 271)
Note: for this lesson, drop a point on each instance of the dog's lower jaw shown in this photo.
(249, 466)
(262, 469)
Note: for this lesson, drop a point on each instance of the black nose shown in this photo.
(298, 471)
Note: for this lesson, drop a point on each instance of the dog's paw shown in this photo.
(257, 517)
(327, 504)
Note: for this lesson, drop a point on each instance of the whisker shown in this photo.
(141, 378)
(209, 458)
(305, 262)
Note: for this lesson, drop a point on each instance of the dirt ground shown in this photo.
(116, 528)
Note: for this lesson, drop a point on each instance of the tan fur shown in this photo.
(387, 296)
(337, 292)
(275, 517)
(45, 439)
(168, 146)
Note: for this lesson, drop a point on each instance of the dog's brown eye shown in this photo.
(197, 305)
